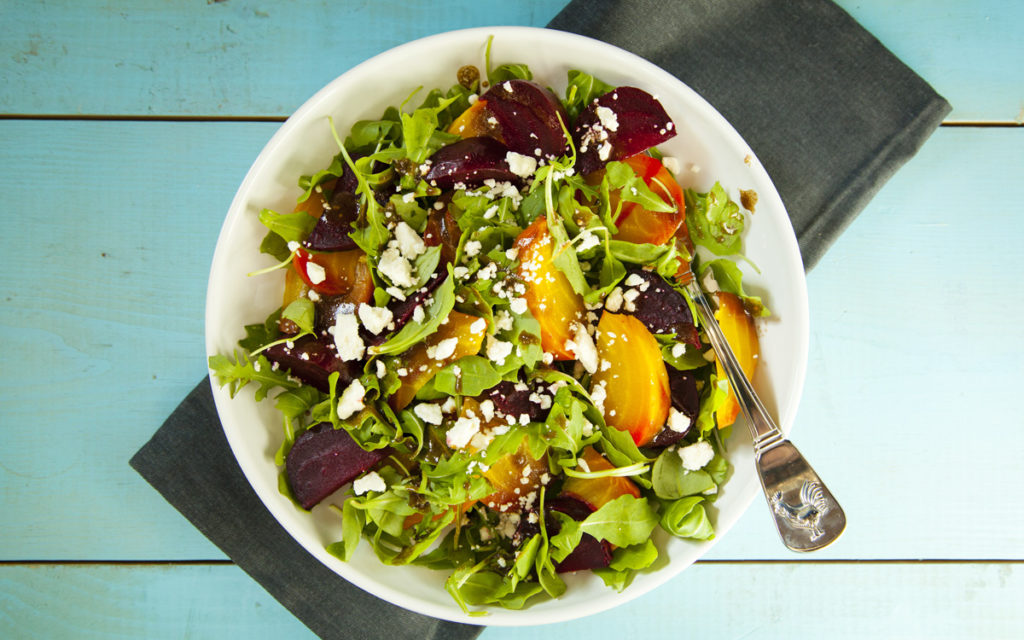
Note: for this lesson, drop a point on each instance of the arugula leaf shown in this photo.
(353, 521)
(444, 301)
(476, 375)
(564, 256)
(686, 518)
(419, 127)
(239, 372)
(300, 311)
(257, 335)
(638, 253)
(671, 481)
(632, 188)
(714, 396)
(583, 89)
(714, 221)
(730, 278)
(624, 521)
(626, 561)
(292, 227)
(276, 246)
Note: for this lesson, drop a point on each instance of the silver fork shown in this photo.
(806, 515)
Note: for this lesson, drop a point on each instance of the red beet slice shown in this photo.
(590, 553)
(313, 360)
(512, 399)
(641, 123)
(469, 162)
(685, 399)
(662, 309)
(528, 117)
(331, 232)
(322, 460)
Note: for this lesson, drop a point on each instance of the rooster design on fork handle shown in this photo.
(807, 513)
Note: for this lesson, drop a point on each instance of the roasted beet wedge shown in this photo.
(313, 361)
(685, 399)
(528, 117)
(469, 162)
(332, 229)
(590, 553)
(322, 460)
(513, 399)
(639, 123)
(662, 309)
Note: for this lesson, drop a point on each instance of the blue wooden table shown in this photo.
(126, 128)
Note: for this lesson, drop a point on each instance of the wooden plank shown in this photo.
(709, 601)
(238, 58)
(909, 409)
(248, 58)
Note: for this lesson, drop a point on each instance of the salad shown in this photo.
(485, 338)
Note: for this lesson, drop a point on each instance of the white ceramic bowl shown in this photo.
(708, 149)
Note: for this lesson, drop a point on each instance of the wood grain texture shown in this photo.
(783, 601)
(912, 324)
(256, 58)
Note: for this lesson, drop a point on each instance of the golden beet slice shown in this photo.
(634, 381)
(740, 332)
(514, 475)
(423, 361)
(476, 121)
(597, 492)
(550, 297)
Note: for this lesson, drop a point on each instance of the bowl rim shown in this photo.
(315, 105)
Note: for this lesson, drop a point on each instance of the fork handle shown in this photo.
(806, 514)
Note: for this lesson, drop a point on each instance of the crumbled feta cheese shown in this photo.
(408, 197)
(671, 163)
(369, 482)
(313, 295)
(608, 119)
(428, 412)
(613, 302)
(396, 293)
(487, 408)
(582, 346)
(709, 282)
(678, 421)
(351, 399)
(472, 248)
(678, 349)
(293, 246)
(449, 405)
(503, 321)
(382, 370)
(629, 299)
(418, 314)
(522, 166)
(395, 267)
(518, 306)
(696, 455)
(587, 240)
(462, 431)
(375, 319)
(599, 393)
(444, 349)
(479, 326)
(634, 279)
(346, 337)
(409, 242)
(498, 350)
(315, 272)
(605, 150)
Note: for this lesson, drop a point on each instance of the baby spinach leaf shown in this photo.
(624, 521)
(687, 518)
(714, 221)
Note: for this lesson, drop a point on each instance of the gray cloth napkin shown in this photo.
(828, 110)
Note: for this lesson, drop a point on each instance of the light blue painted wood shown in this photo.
(909, 409)
(710, 601)
(243, 57)
(252, 58)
